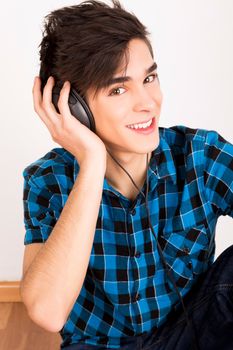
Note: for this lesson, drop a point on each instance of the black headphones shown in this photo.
(78, 107)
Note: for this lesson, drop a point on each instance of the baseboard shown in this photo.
(9, 292)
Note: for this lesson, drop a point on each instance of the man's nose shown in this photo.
(144, 100)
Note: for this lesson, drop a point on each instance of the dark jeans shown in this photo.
(209, 305)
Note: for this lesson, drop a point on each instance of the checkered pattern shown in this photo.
(126, 291)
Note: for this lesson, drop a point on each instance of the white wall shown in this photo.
(193, 45)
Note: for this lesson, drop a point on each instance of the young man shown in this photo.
(122, 219)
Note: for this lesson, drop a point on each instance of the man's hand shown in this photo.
(64, 128)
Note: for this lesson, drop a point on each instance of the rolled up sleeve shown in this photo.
(41, 211)
(218, 173)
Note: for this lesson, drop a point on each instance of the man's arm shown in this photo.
(55, 277)
(218, 173)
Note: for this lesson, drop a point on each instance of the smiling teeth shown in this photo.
(140, 126)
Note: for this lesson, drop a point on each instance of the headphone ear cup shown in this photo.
(78, 107)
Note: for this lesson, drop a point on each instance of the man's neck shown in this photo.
(135, 165)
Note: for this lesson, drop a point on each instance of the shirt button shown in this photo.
(138, 254)
(133, 212)
(137, 297)
(186, 250)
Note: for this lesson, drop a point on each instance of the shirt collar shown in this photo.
(163, 162)
(161, 165)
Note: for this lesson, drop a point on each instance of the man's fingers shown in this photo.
(46, 102)
(38, 103)
(47, 95)
(37, 96)
(63, 100)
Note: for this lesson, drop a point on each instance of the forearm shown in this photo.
(55, 277)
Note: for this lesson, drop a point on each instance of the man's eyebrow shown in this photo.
(126, 78)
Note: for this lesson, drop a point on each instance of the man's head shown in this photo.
(91, 45)
(87, 43)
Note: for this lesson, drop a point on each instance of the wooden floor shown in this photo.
(19, 332)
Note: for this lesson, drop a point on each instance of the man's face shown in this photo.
(130, 102)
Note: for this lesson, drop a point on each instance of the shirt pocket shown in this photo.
(186, 253)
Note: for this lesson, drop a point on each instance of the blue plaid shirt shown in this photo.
(126, 291)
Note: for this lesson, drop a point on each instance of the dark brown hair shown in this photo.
(86, 43)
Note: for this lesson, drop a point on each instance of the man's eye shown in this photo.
(115, 91)
(153, 76)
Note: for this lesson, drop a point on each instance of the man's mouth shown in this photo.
(141, 125)
(144, 129)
